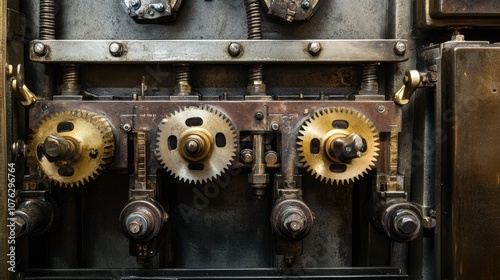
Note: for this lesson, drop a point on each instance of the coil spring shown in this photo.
(182, 73)
(253, 19)
(369, 82)
(70, 74)
(47, 28)
(256, 73)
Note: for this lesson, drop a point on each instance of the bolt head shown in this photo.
(116, 49)
(135, 3)
(306, 5)
(275, 126)
(400, 48)
(294, 222)
(259, 116)
(407, 224)
(135, 226)
(381, 108)
(234, 49)
(127, 127)
(151, 13)
(40, 49)
(314, 48)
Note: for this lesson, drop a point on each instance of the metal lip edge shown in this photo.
(216, 51)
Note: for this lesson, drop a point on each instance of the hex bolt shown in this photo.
(116, 49)
(135, 4)
(314, 48)
(135, 226)
(400, 48)
(259, 116)
(40, 49)
(306, 4)
(407, 224)
(275, 126)
(234, 49)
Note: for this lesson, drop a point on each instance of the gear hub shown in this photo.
(200, 137)
(338, 145)
(72, 147)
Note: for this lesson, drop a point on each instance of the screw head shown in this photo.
(151, 13)
(116, 49)
(234, 49)
(314, 48)
(135, 4)
(247, 156)
(275, 126)
(135, 226)
(40, 49)
(400, 48)
(259, 116)
(381, 108)
(306, 5)
(127, 127)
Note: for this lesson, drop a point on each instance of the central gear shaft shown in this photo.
(72, 147)
(338, 145)
(196, 144)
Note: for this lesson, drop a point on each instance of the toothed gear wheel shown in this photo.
(85, 149)
(323, 130)
(196, 144)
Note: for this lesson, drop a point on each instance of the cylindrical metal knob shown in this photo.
(292, 219)
(345, 149)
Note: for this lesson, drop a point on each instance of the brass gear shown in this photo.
(92, 143)
(196, 144)
(318, 132)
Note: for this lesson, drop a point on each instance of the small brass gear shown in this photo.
(318, 139)
(196, 144)
(71, 148)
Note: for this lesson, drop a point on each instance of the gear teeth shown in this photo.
(224, 156)
(89, 120)
(318, 125)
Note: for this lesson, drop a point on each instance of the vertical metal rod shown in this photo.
(71, 84)
(369, 84)
(182, 77)
(256, 84)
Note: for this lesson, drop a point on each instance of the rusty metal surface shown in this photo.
(215, 51)
(470, 225)
(464, 8)
(429, 16)
(147, 115)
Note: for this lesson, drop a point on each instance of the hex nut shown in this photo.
(314, 48)
(258, 179)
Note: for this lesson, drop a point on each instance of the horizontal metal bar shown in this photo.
(217, 51)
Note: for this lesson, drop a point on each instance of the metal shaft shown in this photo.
(71, 84)
(254, 23)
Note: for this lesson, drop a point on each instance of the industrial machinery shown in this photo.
(224, 139)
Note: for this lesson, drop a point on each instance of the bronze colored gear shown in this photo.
(196, 144)
(319, 130)
(93, 138)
